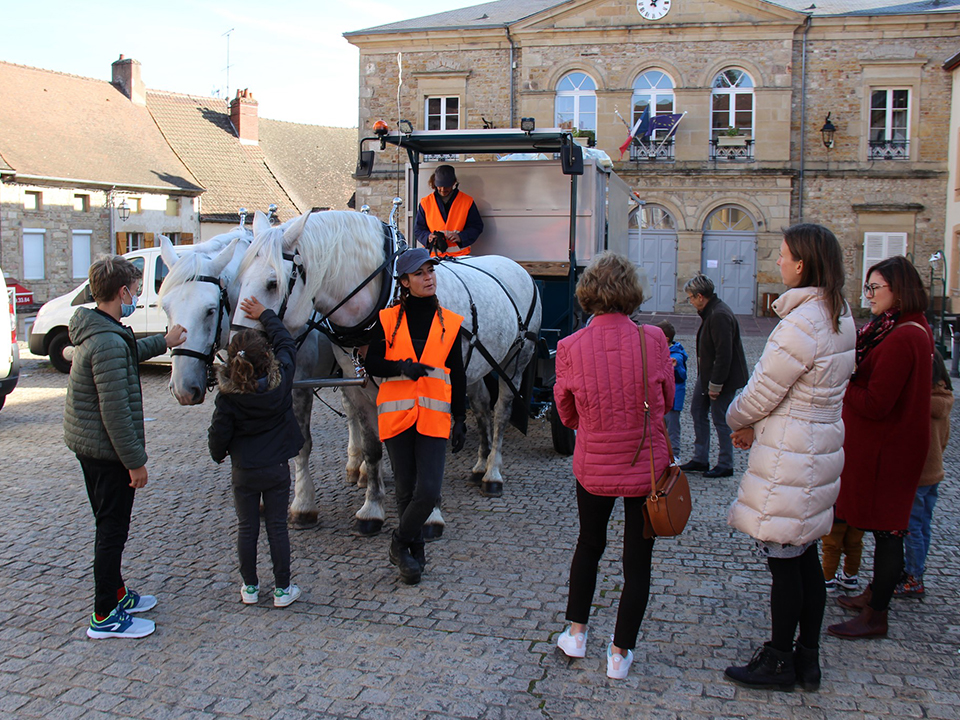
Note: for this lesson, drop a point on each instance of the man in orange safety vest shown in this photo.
(448, 221)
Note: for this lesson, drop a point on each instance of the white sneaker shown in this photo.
(284, 596)
(574, 646)
(133, 602)
(249, 594)
(119, 624)
(617, 665)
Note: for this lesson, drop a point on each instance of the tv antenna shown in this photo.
(227, 68)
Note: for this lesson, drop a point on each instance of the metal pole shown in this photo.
(329, 382)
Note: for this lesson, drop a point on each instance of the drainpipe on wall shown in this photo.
(510, 70)
(803, 113)
(108, 199)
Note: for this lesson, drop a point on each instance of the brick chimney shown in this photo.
(126, 76)
(243, 117)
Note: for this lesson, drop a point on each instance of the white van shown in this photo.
(49, 333)
(9, 351)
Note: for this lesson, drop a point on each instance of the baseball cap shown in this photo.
(445, 176)
(412, 259)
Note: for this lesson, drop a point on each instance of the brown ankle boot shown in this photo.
(856, 602)
(869, 623)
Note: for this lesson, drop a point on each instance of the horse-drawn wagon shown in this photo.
(546, 204)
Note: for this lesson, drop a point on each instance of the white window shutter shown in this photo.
(879, 246)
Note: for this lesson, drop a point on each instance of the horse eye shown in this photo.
(272, 285)
(210, 312)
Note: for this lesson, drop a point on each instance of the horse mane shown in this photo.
(190, 266)
(339, 249)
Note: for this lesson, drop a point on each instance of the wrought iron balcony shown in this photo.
(652, 150)
(889, 149)
(732, 149)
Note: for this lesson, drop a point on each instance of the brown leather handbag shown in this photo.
(669, 504)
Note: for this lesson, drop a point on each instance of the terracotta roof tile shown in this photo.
(312, 162)
(59, 126)
(235, 175)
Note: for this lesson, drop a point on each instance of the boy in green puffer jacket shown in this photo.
(103, 425)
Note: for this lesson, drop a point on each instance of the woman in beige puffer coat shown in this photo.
(789, 415)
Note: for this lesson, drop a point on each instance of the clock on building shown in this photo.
(653, 9)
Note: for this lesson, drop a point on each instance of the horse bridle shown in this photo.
(223, 308)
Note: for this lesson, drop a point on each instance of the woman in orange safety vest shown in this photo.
(418, 355)
(448, 221)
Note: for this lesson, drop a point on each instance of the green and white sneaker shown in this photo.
(249, 594)
(119, 624)
(284, 596)
(133, 602)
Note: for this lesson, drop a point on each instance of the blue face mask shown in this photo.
(127, 310)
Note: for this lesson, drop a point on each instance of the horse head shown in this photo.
(196, 294)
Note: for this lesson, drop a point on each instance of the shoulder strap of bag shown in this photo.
(915, 324)
(646, 415)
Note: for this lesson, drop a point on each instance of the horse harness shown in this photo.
(473, 336)
(223, 309)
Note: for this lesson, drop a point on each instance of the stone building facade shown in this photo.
(714, 198)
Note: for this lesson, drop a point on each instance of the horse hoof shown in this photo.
(362, 482)
(491, 488)
(367, 528)
(475, 478)
(432, 532)
(303, 521)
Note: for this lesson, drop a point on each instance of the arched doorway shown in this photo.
(729, 256)
(653, 246)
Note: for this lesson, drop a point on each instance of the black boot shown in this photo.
(417, 550)
(806, 663)
(401, 557)
(769, 668)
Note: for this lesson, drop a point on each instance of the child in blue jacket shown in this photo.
(679, 358)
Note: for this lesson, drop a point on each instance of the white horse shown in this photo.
(335, 252)
(197, 293)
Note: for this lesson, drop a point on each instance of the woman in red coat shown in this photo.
(886, 413)
(600, 391)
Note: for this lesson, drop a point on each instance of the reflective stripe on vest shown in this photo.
(456, 217)
(426, 403)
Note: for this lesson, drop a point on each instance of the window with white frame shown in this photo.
(134, 241)
(653, 89)
(889, 124)
(732, 102)
(879, 246)
(81, 248)
(576, 104)
(443, 113)
(33, 268)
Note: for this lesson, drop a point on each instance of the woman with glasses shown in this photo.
(886, 412)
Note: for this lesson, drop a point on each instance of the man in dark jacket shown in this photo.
(103, 425)
(721, 371)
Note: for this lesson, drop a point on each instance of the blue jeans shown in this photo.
(702, 408)
(917, 543)
(672, 419)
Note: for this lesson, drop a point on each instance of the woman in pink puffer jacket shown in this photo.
(600, 393)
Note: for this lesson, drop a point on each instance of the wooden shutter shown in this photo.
(879, 246)
(148, 240)
(186, 238)
(121, 243)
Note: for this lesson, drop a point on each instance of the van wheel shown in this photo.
(61, 352)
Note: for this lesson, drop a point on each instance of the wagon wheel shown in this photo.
(564, 438)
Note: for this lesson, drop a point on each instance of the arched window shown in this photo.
(576, 106)
(653, 89)
(652, 217)
(729, 218)
(732, 102)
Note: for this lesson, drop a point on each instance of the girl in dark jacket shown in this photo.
(254, 423)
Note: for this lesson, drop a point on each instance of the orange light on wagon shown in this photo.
(380, 128)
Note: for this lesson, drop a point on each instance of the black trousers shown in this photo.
(594, 513)
(887, 568)
(418, 462)
(111, 498)
(797, 598)
(272, 485)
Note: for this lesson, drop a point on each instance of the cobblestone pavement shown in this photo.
(476, 639)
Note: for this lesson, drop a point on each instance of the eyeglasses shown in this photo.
(869, 290)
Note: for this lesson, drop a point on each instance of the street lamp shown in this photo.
(827, 132)
(123, 210)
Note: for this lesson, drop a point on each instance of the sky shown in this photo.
(291, 54)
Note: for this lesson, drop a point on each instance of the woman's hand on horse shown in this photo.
(413, 369)
(176, 335)
(252, 307)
